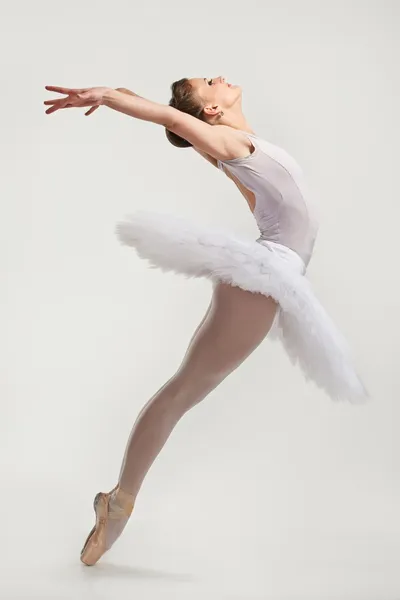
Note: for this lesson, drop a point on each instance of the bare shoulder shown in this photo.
(218, 141)
(238, 143)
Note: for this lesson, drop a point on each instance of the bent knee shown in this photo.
(193, 386)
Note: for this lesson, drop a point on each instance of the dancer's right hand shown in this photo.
(76, 98)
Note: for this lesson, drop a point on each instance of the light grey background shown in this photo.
(266, 490)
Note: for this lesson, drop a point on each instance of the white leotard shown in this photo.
(282, 210)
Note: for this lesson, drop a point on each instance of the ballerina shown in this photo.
(259, 287)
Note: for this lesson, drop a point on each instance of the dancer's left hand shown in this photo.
(76, 98)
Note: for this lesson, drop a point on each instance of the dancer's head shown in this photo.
(211, 100)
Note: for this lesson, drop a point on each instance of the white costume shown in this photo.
(274, 265)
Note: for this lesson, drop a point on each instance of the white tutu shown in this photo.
(307, 333)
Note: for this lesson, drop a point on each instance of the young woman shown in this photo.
(257, 285)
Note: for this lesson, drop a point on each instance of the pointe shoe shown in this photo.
(95, 545)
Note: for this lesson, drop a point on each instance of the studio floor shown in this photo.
(173, 558)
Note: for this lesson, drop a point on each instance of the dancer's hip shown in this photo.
(290, 257)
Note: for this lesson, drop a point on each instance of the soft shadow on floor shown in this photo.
(112, 570)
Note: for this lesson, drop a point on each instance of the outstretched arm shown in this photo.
(209, 158)
(214, 141)
(218, 142)
(136, 106)
(126, 91)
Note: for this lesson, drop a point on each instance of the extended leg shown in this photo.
(234, 326)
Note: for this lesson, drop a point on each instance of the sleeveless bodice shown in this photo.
(282, 209)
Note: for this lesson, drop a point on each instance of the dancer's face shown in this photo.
(216, 93)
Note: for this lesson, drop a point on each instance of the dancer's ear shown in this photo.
(213, 110)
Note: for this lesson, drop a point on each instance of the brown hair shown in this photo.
(184, 99)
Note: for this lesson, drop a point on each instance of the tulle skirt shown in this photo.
(308, 334)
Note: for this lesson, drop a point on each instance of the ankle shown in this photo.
(122, 501)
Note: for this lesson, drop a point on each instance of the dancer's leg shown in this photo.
(235, 324)
(199, 326)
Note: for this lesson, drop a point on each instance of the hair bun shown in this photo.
(177, 140)
(184, 99)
